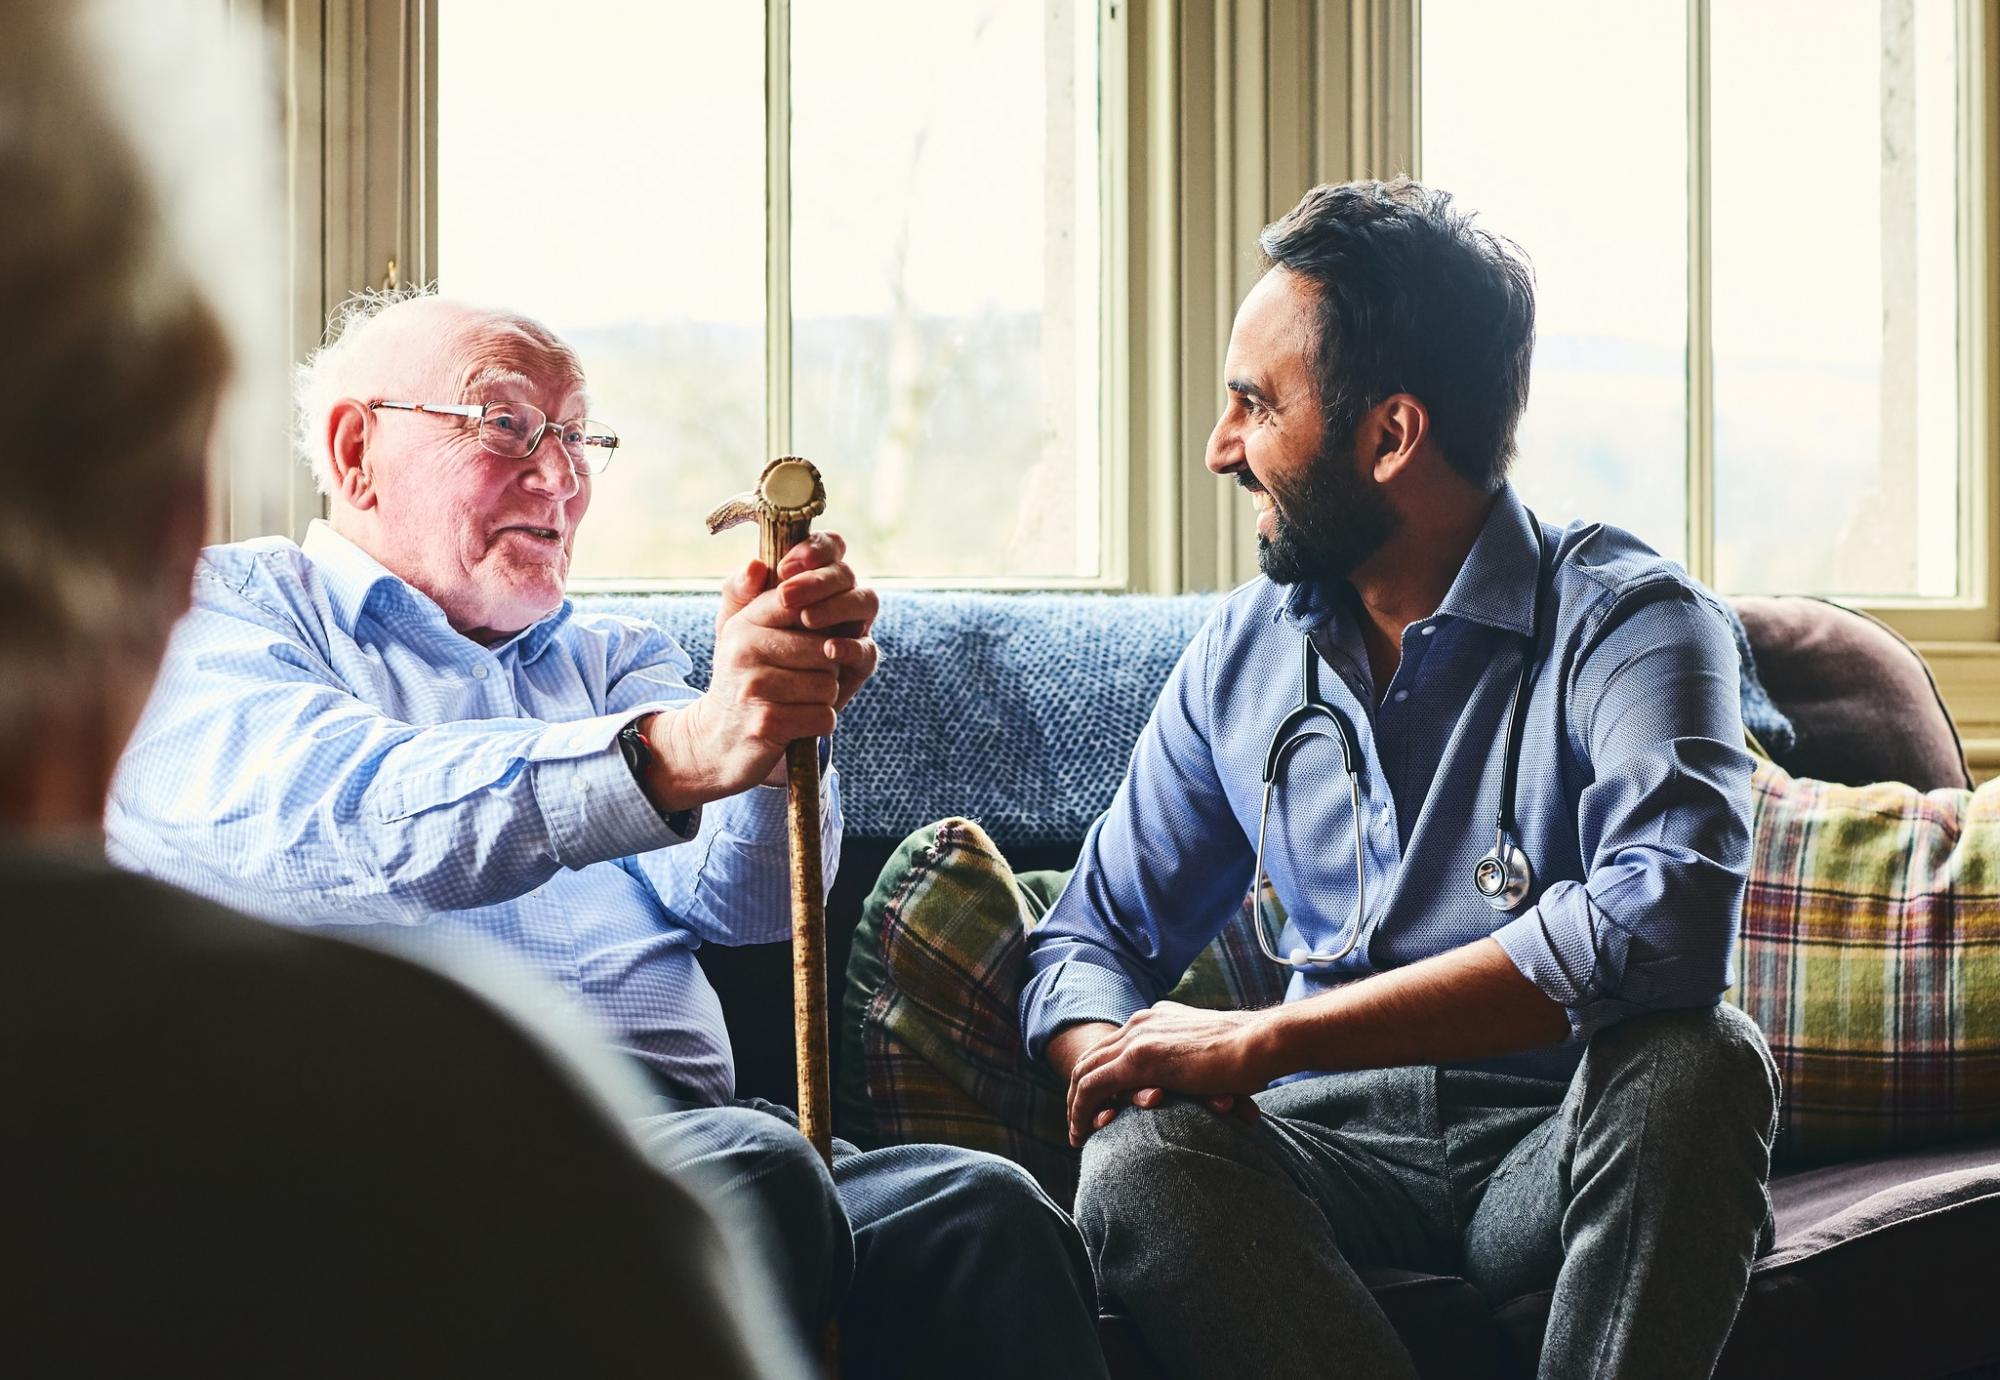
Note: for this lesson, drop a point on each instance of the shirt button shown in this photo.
(1427, 629)
(479, 671)
(1402, 695)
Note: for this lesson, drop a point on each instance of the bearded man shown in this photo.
(1502, 1055)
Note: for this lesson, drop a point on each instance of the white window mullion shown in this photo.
(1700, 340)
(1978, 312)
(778, 227)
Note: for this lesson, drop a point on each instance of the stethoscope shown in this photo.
(1502, 878)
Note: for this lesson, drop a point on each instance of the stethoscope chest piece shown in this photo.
(1504, 876)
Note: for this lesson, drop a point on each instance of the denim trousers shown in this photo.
(1637, 1190)
(934, 1260)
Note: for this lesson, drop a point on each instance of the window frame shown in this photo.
(1972, 616)
(391, 194)
(1217, 115)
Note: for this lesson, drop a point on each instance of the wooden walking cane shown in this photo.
(788, 496)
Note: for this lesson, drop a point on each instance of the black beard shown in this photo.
(1330, 523)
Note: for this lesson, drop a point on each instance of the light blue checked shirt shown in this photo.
(324, 749)
(1633, 802)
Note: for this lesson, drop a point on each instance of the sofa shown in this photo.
(1020, 710)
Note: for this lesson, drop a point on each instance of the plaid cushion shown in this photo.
(930, 1025)
(1870, 955)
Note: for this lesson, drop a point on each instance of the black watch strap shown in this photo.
(638, 752)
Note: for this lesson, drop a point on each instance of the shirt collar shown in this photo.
(352, 576)
(1501, 576)
(354, 579)
(1496, 584)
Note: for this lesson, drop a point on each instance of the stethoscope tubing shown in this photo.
(1299, 958)
(1503, 877)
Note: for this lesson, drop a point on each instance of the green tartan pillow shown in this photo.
(930, 1028)
(1870, 955)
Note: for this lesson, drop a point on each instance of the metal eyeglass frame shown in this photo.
(476, 412)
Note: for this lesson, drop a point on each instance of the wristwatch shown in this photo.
(638, 752)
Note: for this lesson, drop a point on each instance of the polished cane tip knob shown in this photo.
(791, 485)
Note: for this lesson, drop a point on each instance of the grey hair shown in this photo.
(136, 137)
(320, 380)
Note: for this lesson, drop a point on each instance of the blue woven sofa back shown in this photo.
(1019, 710)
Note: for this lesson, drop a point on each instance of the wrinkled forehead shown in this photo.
(503, 356)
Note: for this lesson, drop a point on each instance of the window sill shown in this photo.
(1968, 676)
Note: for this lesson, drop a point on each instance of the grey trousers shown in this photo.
(1637, 1189)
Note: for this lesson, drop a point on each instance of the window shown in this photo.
(912, 300)
(1745, 222)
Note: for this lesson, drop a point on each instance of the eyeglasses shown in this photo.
(512, 431)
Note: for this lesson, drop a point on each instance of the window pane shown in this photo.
(1836, 385)
(945, 279)
(1564, 123)
(605, 175)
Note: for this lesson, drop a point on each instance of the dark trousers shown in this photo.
(935, 1260)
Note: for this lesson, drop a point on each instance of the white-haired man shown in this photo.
(232, 1149)
(404, 723)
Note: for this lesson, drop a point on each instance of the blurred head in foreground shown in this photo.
(112, 368)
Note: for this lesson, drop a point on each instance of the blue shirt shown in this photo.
(1633, 803)
(323, 748)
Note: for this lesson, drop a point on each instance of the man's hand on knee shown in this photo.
(1165, 1050)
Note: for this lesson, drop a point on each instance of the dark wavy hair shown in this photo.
(1414, 298)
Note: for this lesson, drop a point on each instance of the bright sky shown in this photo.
(1565, 122)
(643, 126)
(609, 168)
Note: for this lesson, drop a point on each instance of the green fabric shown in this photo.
(854, 1111)
(930, 1037)
(1870, 957)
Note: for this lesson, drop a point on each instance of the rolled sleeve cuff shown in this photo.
(1574, 960)
(1072, 992)
(591, 806)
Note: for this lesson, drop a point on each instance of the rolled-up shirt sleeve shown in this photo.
(1663, 827)
(255, 761)
(1160, 873)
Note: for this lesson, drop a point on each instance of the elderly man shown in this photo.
(1502, 1055)
(403, 723)
(233, 1150)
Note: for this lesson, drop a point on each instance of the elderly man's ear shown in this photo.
(350, 427)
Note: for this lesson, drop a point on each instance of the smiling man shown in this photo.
(403, 724)
(1502, 1054)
